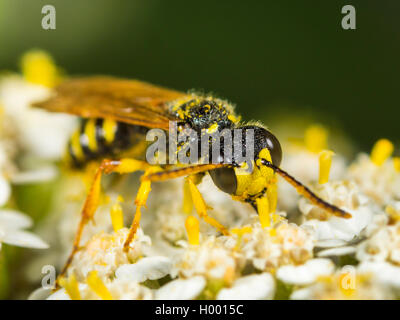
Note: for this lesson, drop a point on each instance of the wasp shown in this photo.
(117, 114)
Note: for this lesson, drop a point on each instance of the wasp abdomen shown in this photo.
(99, 138)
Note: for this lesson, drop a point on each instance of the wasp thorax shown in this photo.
(202, 114)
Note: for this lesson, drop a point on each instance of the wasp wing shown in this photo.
(130, 101)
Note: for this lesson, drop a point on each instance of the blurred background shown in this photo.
(274, 59)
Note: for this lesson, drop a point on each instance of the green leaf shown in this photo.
(35, 199)
(4, 277)
(283, 291)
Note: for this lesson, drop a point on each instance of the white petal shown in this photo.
(24, 239)
(40, 294)
(41, 133)
(336, 228)
(330, 243)
(44, 134)
(385, 272)
(5, 191)
(151, 268)
(340, 251)
(395, 255)
(301, 294)
(307, 273)
(33, 176)
(12, 219)
(59, 295)
(254, 287)
(181, 289)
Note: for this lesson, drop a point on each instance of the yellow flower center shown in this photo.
(117, 215)
(396, 163)
(382, 150)
(315, 138)
(325, 162)
(38, 67)
(97, 285)
(71, 287)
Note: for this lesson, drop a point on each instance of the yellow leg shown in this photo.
(263, 209)
(93, 198)
(181, 172)
(272, 195)
(196, 173)
(140, 201)
(187, 205)
(201, 207)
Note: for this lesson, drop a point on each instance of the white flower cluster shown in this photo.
(28, 139)
(304, 252)
(318, 256)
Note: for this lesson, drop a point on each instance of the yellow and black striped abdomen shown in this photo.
(99, 138)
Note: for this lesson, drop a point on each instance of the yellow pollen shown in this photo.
(263, 211)
(315, 138)
(241, 231)
(213, 128)
(97, 285)
(325, 162)
(233, 118)
(193, 230)
(272, 232)
(38, 67)
(394, 215)
(396, 163)
(71, 287)
(117, 215)
(382, 150)
(276, 218)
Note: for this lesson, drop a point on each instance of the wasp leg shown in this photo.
(140, 201)
(181, 172)
(187, 204)
(196, 173)
(92, 200)
(272, 195)
(201, 207)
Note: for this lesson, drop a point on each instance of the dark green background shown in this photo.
(263, 55)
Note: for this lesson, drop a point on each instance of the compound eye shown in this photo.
(224, 179)
(274, 148)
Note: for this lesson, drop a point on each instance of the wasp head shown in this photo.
(242, 183)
